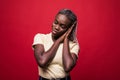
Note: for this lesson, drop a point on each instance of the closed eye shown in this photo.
(55, 22)
(62, 26)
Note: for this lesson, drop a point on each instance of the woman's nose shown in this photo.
(57, 27)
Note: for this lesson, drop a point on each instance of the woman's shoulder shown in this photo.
(74, 43)
(42, 35)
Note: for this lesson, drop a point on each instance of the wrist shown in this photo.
(59, 40)
(66, 39)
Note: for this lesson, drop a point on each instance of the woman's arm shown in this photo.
(69, 59)
(44, 58)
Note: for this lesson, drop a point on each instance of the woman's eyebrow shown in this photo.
(56, 20)
(60, 23)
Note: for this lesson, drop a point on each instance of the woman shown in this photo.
(56, 53)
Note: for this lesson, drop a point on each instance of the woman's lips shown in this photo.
(54, 31)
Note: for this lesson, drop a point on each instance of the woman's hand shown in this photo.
(61, 38)
(70, 30)
(66, 35)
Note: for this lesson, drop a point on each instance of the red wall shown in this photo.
(98, 35)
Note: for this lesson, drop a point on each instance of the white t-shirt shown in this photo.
(55, 68)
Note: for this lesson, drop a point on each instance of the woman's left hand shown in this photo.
(70, 30)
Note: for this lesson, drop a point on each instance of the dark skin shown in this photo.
(60, 34)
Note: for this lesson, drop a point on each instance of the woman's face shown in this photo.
(60, 25)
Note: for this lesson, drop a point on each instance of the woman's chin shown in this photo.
(55, 36)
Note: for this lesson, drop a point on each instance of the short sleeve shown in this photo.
(38, 39)
(75, 48)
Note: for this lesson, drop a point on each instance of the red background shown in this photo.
(98, 35)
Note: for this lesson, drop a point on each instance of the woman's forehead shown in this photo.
(62, 19)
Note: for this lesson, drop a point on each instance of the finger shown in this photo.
(70, 29)
(74, 24)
